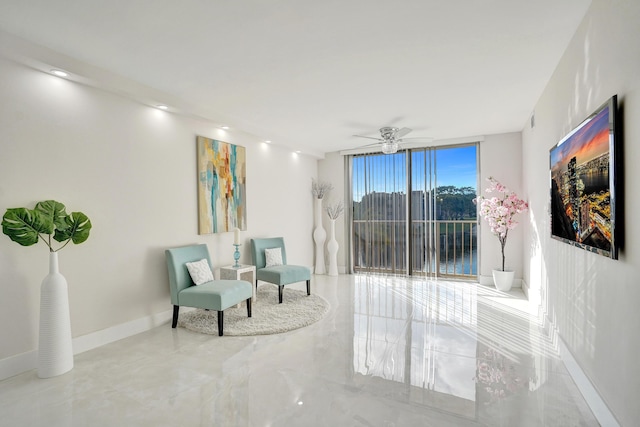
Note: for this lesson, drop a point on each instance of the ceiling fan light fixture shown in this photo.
(390, 147)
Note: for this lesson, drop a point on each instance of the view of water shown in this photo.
(464, 266)
(594, 182)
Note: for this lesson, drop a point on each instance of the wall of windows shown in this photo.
(413, 212)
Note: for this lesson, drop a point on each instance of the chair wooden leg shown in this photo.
(308, 287)
(248, 307)
(280, 288)
(174, 323)
(220, 322)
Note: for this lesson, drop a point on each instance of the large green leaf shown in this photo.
(55, 211)
(23, 225)
(77, 226)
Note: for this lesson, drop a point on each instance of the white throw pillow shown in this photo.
(273, 257)
(200, 271)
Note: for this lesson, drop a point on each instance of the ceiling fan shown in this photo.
(390, 138)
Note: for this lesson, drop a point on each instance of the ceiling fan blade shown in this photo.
(417, 139)
(368, 137)
(402, 132)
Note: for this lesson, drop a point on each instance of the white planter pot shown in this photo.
(503, 279)
(332, 247)
(319, 236)
(55, 350)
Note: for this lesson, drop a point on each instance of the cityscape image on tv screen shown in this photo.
(582, 202)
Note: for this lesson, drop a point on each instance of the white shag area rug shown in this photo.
(267, 316)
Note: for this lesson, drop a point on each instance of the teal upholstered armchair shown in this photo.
(212, 295)
(280, 273)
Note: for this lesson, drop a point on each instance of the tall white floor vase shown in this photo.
(332, 247)
(319, 236)
(55, 350)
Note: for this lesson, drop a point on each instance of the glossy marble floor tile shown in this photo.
(391, 352)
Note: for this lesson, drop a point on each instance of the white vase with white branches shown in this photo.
(319, 190)
(333, 211)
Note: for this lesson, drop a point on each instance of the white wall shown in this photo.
(132, 170)
(331, 169)
(591, 301)
(500, 158)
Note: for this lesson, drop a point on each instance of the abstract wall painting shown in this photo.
(222, 198)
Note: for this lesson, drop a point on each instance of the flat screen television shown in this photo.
(583, 184)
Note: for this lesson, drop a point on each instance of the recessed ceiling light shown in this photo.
(224, 127)
(59, 73)
(162, 107)
(298, 151)
(268, 141)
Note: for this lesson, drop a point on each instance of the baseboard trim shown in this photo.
(525, 289)
(14, 365)
(341, 270)
(118, 332)
(595, 402)
(600, 409)
(18, 364)
(488, 281)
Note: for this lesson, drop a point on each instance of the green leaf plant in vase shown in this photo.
(499, 212)
(49, 222)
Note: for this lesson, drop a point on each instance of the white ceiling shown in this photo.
(308, 74)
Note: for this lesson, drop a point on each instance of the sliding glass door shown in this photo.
(443, 215)
(379, 184)
(413, 212)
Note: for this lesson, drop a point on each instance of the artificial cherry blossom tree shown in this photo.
(499, 211)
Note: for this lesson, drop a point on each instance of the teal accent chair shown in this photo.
(280, 275)
(214, 295)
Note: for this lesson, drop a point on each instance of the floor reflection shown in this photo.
(455, 346)
(391, 351)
